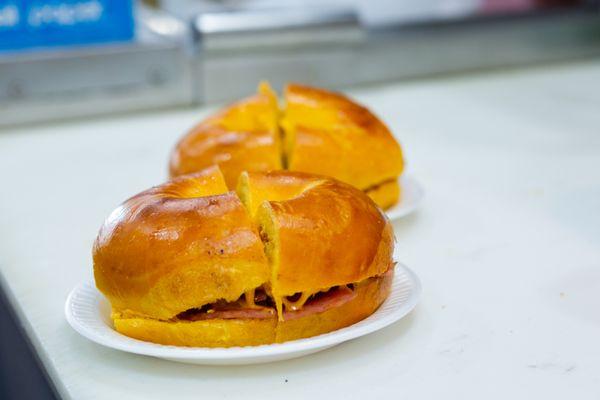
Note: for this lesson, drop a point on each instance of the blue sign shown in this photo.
(44, 23)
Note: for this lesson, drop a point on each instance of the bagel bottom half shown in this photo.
(370, 293)
(386, 194)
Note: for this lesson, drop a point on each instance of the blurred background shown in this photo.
(68, 59)
(73, 58)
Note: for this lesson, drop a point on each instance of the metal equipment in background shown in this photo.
(217, 55)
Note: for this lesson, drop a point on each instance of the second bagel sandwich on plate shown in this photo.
(287, 255)
(315, 131)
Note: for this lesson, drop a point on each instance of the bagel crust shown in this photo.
(386, 194)
(329, 234)
(244, 136)
(327, 133)
(166, 250)
(316, 131)
(289, 255)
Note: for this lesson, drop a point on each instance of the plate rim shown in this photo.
(234, 353)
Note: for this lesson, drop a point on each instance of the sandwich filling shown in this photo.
(260, 304)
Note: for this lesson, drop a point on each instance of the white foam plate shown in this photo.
(88, 312)
(411, 196)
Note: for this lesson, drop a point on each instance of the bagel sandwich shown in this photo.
(287, 255)
(315, 131)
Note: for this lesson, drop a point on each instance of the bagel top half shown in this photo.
(191, 242)
(316, 131)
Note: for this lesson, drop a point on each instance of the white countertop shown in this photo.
(507, 245)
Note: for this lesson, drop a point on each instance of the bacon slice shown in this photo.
(242, 313)
(329, 300)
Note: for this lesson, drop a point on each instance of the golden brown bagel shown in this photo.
(327, 133)
(325, 234)
(189, 263)
(176, 246)
(322, 132)
(244, 136)
(385, 194)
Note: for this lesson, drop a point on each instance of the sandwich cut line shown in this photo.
(287, 140)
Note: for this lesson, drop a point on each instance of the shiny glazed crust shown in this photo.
(327, 234)
(252, 332)
(191, 242)
(322, 132)
(244, 136)
(177, 246)
(327, 133)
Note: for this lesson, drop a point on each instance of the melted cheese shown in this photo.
(249, 299)
(281, 302)
(298, 304)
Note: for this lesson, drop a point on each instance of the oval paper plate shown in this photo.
(412, 194)
(88, 312)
